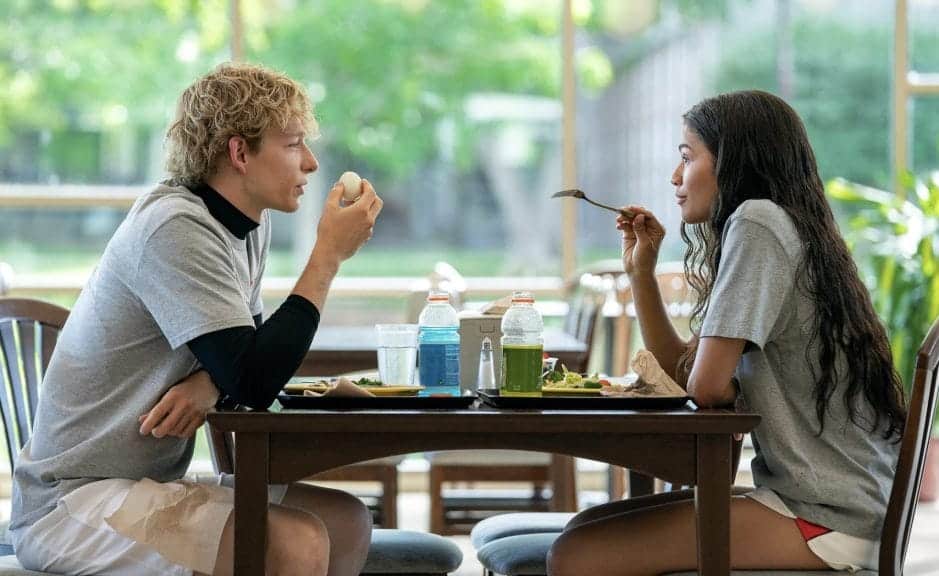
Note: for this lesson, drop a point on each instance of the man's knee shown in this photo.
(298, 543)
(358, 514)
(334, 505)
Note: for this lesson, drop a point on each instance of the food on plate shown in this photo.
(367, 382)
(318, 386)
(566, 380)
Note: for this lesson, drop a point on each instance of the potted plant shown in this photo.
(895, 241)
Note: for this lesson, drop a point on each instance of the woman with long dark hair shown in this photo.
(784, 327)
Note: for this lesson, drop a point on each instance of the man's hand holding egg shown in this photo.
(347, 219)
(351, 186)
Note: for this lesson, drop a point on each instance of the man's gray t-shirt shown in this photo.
(170, 273)
(842, 478)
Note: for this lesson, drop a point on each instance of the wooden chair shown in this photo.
(906, 484)
(29, 330)
(457, 514)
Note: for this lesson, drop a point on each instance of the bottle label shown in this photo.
(440, 366)
(521, 370)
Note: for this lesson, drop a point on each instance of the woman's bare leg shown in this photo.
(661, 539)
(637, 503)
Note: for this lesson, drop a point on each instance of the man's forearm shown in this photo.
(317, 276)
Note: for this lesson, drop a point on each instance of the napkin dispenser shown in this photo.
(473, 328)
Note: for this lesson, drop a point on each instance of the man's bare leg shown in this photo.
(297, 544)
(348, 523)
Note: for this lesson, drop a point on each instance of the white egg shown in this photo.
(352, 186)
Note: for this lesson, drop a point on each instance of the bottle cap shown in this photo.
(523, 297)
(438, 296)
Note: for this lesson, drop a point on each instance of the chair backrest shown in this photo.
(444, 277)
(28, 333)
(906, 484)
(585, 305)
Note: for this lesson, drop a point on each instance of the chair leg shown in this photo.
(438, 521)
(617, 483)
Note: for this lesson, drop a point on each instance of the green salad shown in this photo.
(562, 378)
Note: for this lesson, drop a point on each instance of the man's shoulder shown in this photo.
(173, 208)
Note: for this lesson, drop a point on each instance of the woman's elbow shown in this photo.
(705, 397)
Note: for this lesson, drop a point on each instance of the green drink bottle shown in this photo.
(522, 348)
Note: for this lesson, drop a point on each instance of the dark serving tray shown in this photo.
(374, 402)
(558, 402)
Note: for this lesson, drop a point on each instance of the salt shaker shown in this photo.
(486, 378)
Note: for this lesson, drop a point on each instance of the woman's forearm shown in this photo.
(658, 333)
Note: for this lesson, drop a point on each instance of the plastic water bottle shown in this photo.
(522, 347)
(439, 346)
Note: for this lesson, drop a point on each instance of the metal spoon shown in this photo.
(575, 193)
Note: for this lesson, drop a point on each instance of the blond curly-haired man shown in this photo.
(170, 325)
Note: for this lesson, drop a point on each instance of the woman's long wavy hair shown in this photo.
(761, 150)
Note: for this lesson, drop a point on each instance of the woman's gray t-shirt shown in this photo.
(842, 478)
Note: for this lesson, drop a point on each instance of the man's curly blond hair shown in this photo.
(234, 99)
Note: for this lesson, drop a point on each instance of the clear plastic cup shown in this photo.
(397, 353)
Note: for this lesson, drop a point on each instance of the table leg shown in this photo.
(251, 467)
(712, 503)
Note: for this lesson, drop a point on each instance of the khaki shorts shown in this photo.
(127, 527)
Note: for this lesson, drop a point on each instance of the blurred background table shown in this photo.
(340, 349)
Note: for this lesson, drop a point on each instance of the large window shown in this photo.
(831, 59)
(451, 107)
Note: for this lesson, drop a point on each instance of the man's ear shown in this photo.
(238, 153)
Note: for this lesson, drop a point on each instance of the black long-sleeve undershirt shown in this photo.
(251, 365)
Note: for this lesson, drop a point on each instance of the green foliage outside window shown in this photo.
(842, 90)
(383, 72)
(895, 241)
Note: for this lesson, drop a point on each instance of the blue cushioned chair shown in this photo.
(407, 552)
(505, 525)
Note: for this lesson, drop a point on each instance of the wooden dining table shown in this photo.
(340, 349)
(681, 445)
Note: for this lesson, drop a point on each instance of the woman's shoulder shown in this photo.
(771, 218)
